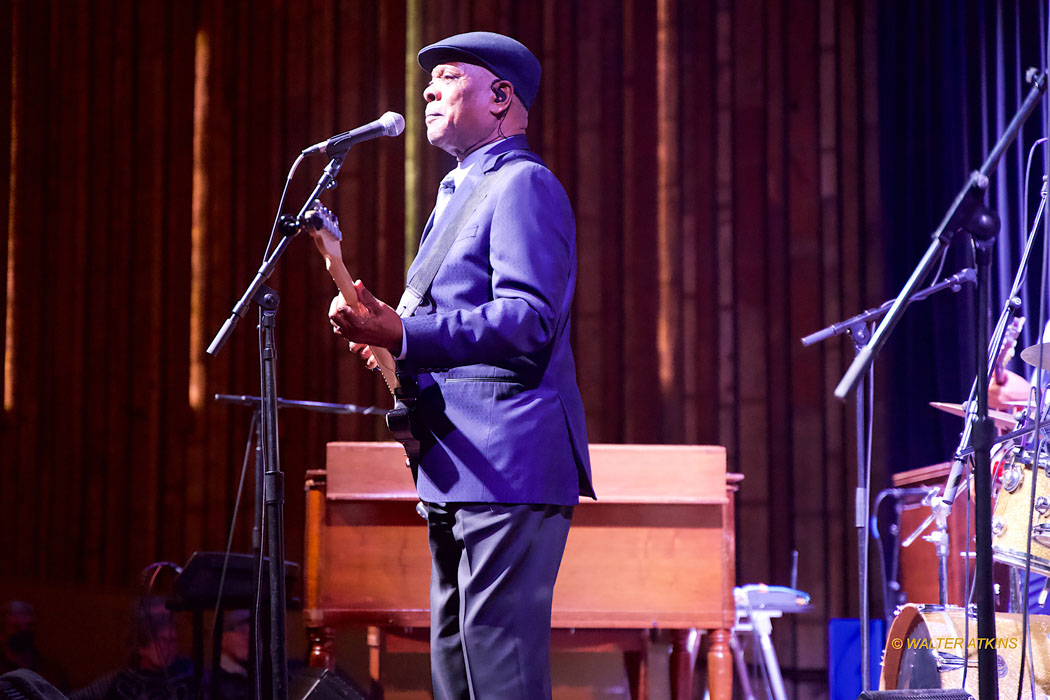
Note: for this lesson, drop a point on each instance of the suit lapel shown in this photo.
(462, 194)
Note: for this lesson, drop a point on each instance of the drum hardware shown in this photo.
(1041, 601)
(946, 663)
(1013, 477)
(1003, 459)
(951, 662)
(1041, 534)
(1042, 505)
(1025, 428)
(930, 608)
(939, 539)
(1016, 559)
(889, 528)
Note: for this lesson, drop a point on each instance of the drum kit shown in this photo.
(935, 646)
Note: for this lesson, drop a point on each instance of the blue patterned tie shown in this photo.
(445, 191)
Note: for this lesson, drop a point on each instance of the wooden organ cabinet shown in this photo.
(655, 552)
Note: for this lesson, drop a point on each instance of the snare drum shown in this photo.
(927, 648)
(1010, 518)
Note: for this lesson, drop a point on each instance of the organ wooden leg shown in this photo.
(719, 666)
(322, 647)
(376, 647)
(637, 663)
(683, 659)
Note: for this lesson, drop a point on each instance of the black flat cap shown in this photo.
(507, 58)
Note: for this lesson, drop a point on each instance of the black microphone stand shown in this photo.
(983, 228)
(967, 212)
(959, 214)
(256, 402)
(339, 409)
(859, 328)
(273, 479)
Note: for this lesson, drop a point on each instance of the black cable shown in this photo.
(215, 635)
(970, 582)
(1037, 447)
(280, 205)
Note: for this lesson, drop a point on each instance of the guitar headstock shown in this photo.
(324, 229)
(1006, 350)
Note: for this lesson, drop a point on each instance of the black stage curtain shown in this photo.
(951, 76)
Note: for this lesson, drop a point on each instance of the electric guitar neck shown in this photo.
(324, 229)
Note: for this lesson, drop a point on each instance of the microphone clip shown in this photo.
(289, 226)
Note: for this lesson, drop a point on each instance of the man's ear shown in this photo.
(502, 97)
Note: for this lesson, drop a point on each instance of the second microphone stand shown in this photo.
(859, 328)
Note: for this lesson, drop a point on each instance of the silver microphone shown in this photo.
(390, 124)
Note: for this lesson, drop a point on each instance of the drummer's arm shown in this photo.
(1014, 389)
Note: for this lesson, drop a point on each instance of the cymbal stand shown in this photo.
(939, 538)
(939, 518)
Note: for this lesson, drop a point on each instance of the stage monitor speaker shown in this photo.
(24, 684)
(916, 694)
(322, 684)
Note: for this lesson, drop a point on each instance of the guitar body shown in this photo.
(399, 420)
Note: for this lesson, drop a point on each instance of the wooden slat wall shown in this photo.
(721, 158)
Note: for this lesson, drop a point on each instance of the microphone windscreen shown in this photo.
(393, 123)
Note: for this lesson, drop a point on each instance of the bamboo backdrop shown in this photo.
(721, 157)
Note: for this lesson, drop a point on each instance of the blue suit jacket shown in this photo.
(499, 410)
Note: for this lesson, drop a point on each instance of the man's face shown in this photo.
(17, 621)
(237, 642)
(458, 112)
(159, 653)
(18, 632)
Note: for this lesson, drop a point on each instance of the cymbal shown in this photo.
(1002, 419)
(1015, 404)
(1030, 355)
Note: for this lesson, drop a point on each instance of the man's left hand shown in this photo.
(372, 322)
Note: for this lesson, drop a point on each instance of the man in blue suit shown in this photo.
(499, 415)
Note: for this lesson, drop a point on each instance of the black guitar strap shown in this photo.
(401, 420)
(424, 275)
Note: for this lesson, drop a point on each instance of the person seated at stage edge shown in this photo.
(154, 670)
(18, 645)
